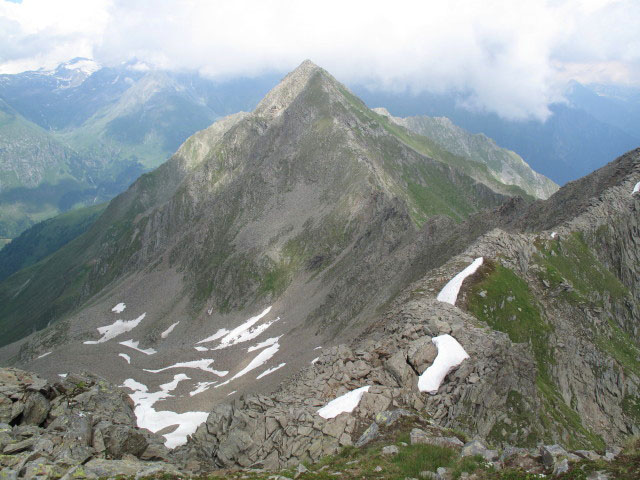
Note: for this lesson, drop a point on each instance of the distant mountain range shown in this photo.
(595, 124)
(80, 134)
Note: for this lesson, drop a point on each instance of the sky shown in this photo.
(510, 57)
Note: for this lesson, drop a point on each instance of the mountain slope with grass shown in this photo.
(507, 166)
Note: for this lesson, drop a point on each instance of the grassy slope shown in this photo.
(46, 237)
(507, 304)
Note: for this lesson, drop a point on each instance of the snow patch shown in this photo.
(449, 294)
(270, 370)
(119, 308)
(636, 189)
(201, 387)
(267, 343)
(345, 403)
(450, 355)
(126, 357)
(229, 394)
(134, 344)
(86, 66)
(63, 375)
(315, 360)
(201, 349)
(147, 416)
(219, 334)
(318, 348)
(117, 328)
(246, 331)
(263, 357)
(43, 355)
(204, 365)
(554, 234)
(166, 333)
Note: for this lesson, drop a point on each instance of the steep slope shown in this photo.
(39, 175)
(312, 196)
(550, 327)
(507, 166)
(44, 238)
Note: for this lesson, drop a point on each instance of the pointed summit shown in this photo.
(288, 89)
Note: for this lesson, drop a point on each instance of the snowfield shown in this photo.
(166, 333)
(126, 357)
(134, 344)
(204, 365)
(345, 403)
(449, 293)
(117, 328)
(246, 331)
(270, 370)
(147, 416)
(259, 360)
(119, 308)
(636, 189)
(201, 387)
(267, 343)
(450, 355)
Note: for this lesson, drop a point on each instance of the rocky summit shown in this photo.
(318, 290)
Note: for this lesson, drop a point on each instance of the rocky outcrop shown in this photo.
(81, 426)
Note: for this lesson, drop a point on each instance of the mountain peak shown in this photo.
(288, 89)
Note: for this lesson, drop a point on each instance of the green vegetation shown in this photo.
(571, 259)
(45, 238)
(504, 301)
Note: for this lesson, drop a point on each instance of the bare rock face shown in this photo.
(50, 429)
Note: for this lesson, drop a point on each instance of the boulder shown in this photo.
(120, 440)
(390, 450)
(400, 370)
(421, 353)
(552, 455)
(36, 409)
(418, 436)
(475, 447)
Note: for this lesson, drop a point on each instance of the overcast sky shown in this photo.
(512, 57)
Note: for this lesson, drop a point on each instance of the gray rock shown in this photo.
(400, 370)
(600, 475)
(589, 455)
(475, 447)
(388, 418)
(36, 409)
(120, 440)
(370, 434)
(8, 474)
(6, 406)
(390, 450)
(552, 454)
(561, 467)
(421, 353)
(429, 475)
(18, 447)
(418, 436)
(300, 470)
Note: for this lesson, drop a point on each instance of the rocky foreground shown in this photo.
(83, 427)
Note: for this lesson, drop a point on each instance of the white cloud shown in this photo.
(508, 57)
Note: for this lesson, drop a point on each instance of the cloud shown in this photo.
(512, 58)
